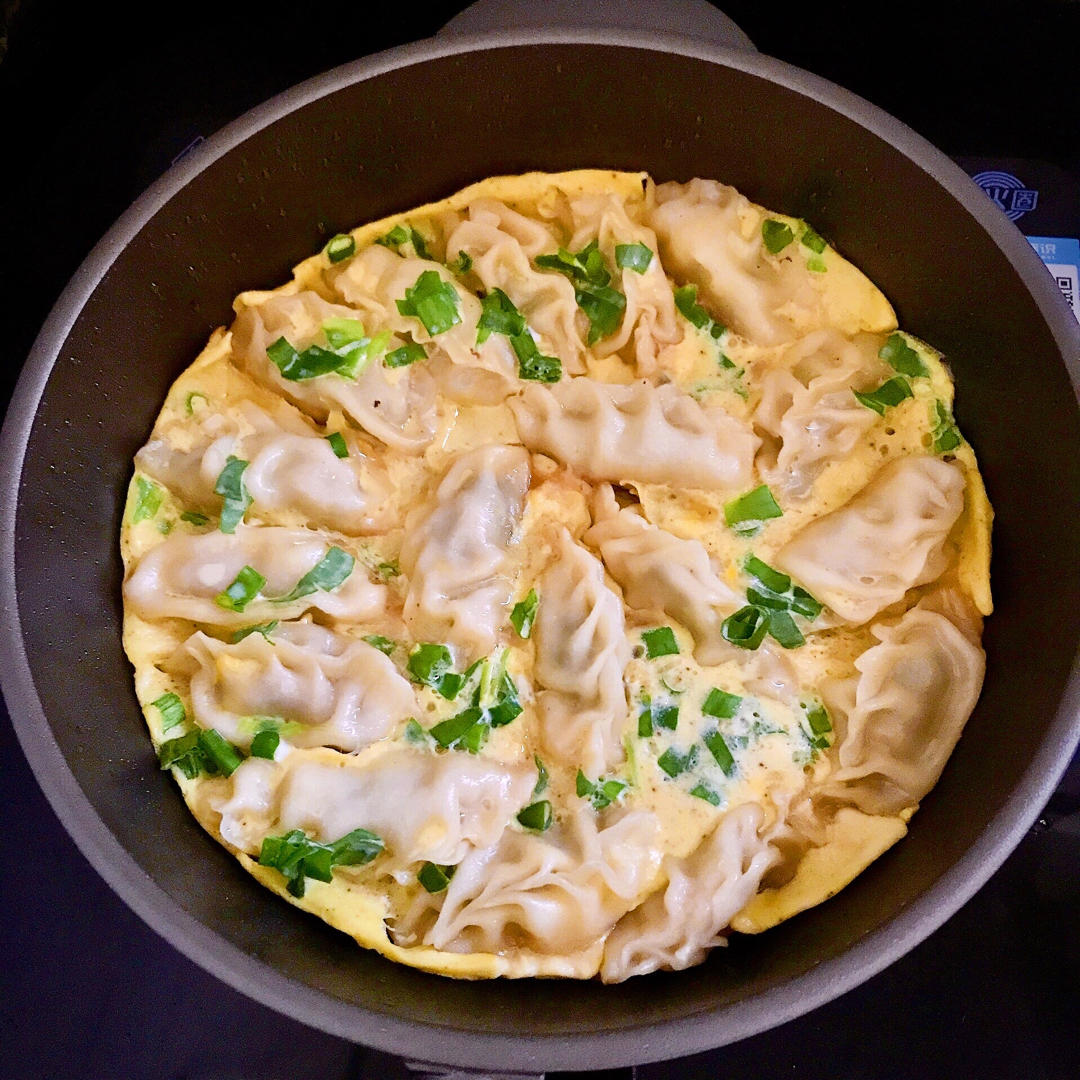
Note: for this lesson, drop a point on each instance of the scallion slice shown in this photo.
(675, 762)
(355, 848)
(644, 723)
(636, 257)
(194, 518)
(901, 357)
(337, 444)
(265, 744)
(148, 498)
(812, 239)
(377, 641)
(945, 433)
(242, 591)
(230, 486)
(220, 751)
(435, 878)
(189, 401)
(499, 316)
(665, 715)
(266, 629)
(524, 614)
(603, 306)
(602, 793)
(776, 235)
(184, 754)
(782, 627)
(660, 642)
(326, 575)
(340, 247)
(701, 791)
(431, 664)
(536, 816)
(587, 266)
(753, 507)
(462, 264)
(171, 709)
(407, 354)
(541, 776)
(721, 704)
(747, 627)
(433, 301)
(817, 717)
(716, 746)
(531, 363)
(453, 730)
(887, 395)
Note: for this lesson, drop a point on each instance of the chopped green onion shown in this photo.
(700, 791)
(524, 614)
(433, 301)
(347, 359)
(746, 628)
(721, 704)
(716, 746)
(533, 365)
(400, 235)
(450, 731)
(230, 486)
(266, 629)
(414, 733)
(265, 744)
(355, 848)
(435, 878)
(586, 266)
(148, 498)
(686, 302)
(675, 763)
(407, 354)
(887, 395)
(462, 264)
(220, 751)
(184, 754)
(431, 665)
(755, 506)
(337, 444)
(194, 518)
(377, 641)
(602, 793)
(327, 574)
(636, 257)
(340, 247)
(817, 717)
(499, 316)
(189, 403)
(776, 235)
(811, 239)
(816, 265)
(343, 332)
(666, 715)
(770, 578)
(536, 816)
(541, 776)
(644, 723)
(603, 306)
(171, 709)
(504, 712)
(900, 356)
(782, 627)
(777, 591)
(660, 642)
(945, 433)
(242, 591)
(388, 570)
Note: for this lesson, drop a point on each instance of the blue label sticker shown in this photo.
(1008, 192)
(1062, 258)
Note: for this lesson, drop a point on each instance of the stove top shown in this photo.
(97, 102)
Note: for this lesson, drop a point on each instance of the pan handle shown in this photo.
(691, 18)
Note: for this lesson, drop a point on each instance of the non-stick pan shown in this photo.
(409, 126)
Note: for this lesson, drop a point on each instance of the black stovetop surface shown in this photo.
(95, 102)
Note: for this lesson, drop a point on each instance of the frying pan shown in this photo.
(412, 125)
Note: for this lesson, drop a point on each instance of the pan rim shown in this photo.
(701, 1030)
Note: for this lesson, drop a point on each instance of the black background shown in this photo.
(95, 101)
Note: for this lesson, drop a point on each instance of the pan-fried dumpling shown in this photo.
(378, 278)
(456, 551)
(676, 926)
(556, 893)
(424, 806)
(395, 405)
(319, 688)
(185, 575)
(808, 411)
(581, 653)
(662, 573)
(889, 538)
(649, 321)
(290, 471)
(624, 433)
(914, 692)
(712, 236)
(501, 261)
